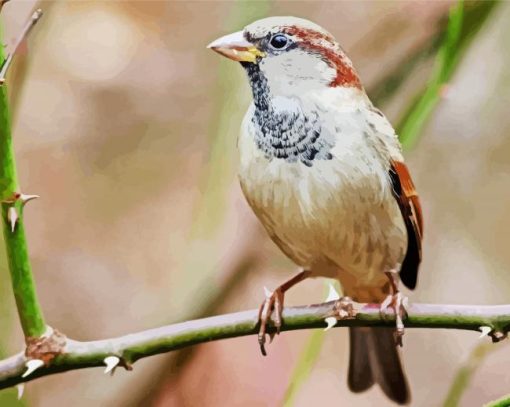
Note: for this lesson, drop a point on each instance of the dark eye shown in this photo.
(279, 41)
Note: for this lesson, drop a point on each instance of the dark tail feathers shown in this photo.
(374, 359)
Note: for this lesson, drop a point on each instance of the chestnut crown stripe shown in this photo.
(314, 41)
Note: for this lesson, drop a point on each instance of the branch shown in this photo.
(26, 30)
(132, 347)
(12, 202)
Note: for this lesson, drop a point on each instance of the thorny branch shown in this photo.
(12, 203)
(493, 321)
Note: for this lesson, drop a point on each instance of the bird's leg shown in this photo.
(274, 302)
(399, 304)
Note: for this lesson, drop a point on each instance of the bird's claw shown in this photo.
(273, 302)
(398, 303)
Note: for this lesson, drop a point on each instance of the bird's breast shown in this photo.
(289, 202)
(339, 210)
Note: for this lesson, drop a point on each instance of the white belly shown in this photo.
(336, 217)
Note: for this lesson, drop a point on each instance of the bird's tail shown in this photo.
(373, 359)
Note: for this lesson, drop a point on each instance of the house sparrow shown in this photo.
(323, 170)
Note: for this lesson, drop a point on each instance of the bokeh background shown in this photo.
(126, 125)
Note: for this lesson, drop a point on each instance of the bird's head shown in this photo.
(291, 54)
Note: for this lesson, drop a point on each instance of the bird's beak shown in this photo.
(236, 47)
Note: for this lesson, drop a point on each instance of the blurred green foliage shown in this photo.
(304, 365)
(463, 377)
(462, 27)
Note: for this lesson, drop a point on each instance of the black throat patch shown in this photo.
(289, 135)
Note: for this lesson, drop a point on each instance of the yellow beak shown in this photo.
(235, 47)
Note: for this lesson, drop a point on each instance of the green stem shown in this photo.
(502, 402)
(29, 311)
(132, 347)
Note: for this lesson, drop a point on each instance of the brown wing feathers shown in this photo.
(409, 203)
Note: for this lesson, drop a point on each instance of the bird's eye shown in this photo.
(279, 41)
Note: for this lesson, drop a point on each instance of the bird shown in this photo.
(322, 169)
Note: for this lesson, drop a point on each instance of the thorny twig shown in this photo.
(12, 203)
(493, 321)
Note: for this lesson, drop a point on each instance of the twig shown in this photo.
(26, 30)
(12, 203)
(132, 347)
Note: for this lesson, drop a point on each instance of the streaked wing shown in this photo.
(409, 203)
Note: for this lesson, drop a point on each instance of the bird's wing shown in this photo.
(409, 203)
(404, 192)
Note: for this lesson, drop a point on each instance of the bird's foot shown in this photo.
(398, 303)
(273, 302)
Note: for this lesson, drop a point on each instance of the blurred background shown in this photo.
(126, 125)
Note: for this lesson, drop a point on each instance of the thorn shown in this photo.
(111, 363)
(405, 303)
(332, 294)
(486, 330)
(23, 198)
(267, 293)
(27, 198)
(32, 365)
(12, 217)
(331, 321)
(21, 389)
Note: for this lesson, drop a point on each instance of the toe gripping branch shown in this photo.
(398, 303)
(274, 302)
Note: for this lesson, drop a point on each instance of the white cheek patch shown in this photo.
(294, 72)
